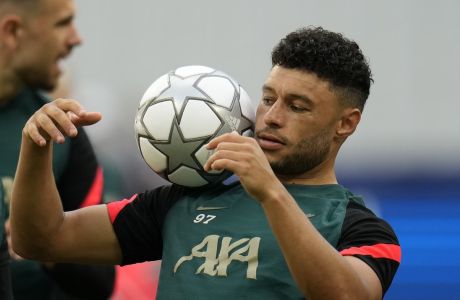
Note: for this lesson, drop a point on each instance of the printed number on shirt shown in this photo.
(202, 218)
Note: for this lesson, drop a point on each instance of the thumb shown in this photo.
(85, 118)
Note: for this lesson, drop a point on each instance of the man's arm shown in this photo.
(80, 184)
(41, 230)
(318, 269)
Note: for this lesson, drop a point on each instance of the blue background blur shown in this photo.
(424, 211)
(404, 157)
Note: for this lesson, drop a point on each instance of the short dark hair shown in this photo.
(330, 56)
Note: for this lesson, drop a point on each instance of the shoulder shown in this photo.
(361, 226)
(158, 201)
(154, 202)
(371, 239)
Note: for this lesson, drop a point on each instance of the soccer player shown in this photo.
(284, 230)
(35, 35)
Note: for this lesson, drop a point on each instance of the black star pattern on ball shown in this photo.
(179, 151)
(233, 118)
(180, 90)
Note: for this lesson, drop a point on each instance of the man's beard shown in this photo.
(37, 79)
(41, 83)
(307, 154)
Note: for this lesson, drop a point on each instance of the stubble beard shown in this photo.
(39, 80)
(307, 154)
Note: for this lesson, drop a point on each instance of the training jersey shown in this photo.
(5, 277)
(2, 211)
(216, 243)
(79, 181)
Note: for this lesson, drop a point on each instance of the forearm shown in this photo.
(318, 269)
(36, 209)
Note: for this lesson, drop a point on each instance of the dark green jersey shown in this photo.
(5, 277)
(2, 211)
(216, 243)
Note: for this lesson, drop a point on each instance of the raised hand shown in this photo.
(58, 119)
(244, 157)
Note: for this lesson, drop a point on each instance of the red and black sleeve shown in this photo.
(138, 222)
(371, 239)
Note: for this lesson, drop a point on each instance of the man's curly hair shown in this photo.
(331, 57)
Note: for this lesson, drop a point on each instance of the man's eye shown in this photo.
(297, 108)
(267, 100)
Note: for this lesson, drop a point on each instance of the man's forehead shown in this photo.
(293, 83)
(280, 77)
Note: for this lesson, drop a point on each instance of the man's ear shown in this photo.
(9, 30)
(348, 122)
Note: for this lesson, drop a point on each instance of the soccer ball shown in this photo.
(180, 113)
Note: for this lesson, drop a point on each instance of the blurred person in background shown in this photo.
(6, 292)
(35, 35)
(284, 229)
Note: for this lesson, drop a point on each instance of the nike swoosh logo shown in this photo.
(310, 215)
(210, 207)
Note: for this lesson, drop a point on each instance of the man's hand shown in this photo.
(244, 157)
(56, 120)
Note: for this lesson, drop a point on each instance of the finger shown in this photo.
(45, 123)
(231, 165)
(227, 137)
(61, 119)
(244, 146)
(240, 146)
(68, 105)
(31, 130)
(86, 118)
(234, 155)
(78, 115)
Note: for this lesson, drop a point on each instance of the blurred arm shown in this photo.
(41, 230)
(80, 184)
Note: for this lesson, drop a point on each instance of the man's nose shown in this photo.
(275, 116)
(75, 38)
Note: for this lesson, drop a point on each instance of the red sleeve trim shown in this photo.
(114, 208)
(389, 251)
(94, 195)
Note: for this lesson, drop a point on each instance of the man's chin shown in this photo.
(40, 81)
(47, 86)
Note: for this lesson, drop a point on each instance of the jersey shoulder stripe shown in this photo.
(115, 207)
(388, 251)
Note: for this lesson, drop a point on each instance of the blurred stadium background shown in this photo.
(404, 158)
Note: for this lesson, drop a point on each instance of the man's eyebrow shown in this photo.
(290, 96)
(66, 20)
(267, 88)
(293, 96)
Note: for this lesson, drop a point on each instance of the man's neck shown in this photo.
(320, 175)
(9, 87)
(307, 180)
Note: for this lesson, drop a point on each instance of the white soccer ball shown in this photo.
(180, 113)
